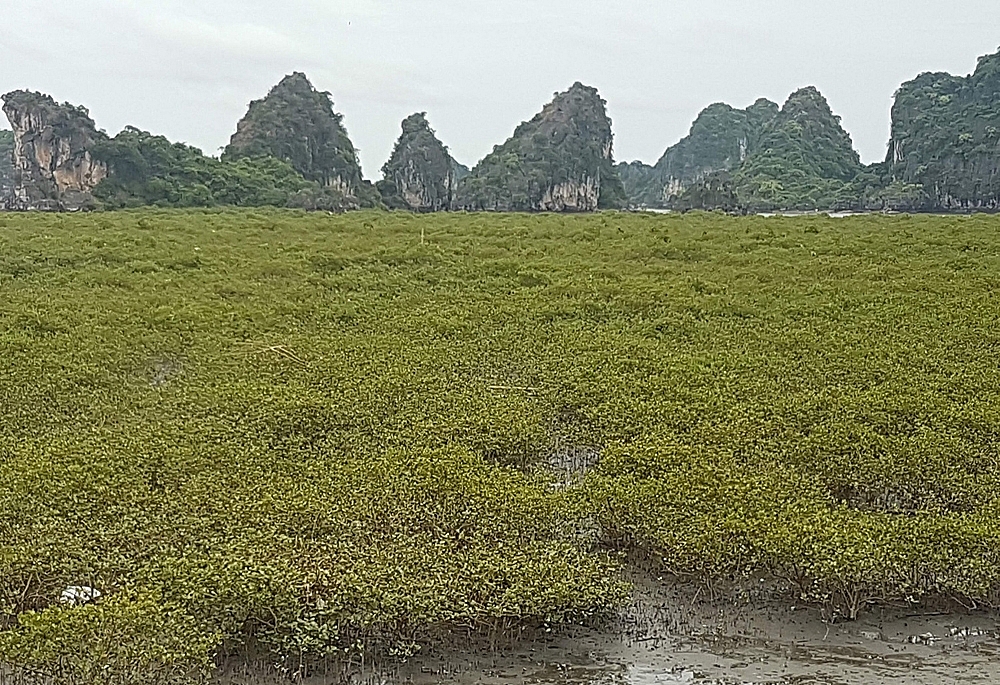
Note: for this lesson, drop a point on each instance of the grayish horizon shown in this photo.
(188, 70)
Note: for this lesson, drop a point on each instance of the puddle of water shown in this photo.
(672, 633)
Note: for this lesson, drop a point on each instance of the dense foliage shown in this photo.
(716, 191)
(150, 170)
(316, 432)
(946, 137)
(721, 138)
(420, 174)
(804, 159)
(6, 166)
(560, 160)
(762, 159)
(297, 124)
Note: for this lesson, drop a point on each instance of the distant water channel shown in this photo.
(674, 634)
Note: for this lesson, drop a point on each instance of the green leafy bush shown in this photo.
(122, 640)
(324, 434)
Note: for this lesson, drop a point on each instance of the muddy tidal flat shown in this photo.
(676, 633)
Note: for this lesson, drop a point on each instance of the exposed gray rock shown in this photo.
(53, 168)
(421, 175)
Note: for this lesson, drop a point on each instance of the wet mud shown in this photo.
(676, 632)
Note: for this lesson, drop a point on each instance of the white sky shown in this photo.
(187, 69)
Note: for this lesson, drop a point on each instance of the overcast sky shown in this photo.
(188, 68)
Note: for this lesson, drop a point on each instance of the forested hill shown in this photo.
(297, 124)
(68, 164)
(721, 139)
(150, 170)
(760, 158)
(944, 154)
(802, 159)
(560, 160)
(946, 137)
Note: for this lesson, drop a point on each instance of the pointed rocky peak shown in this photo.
(809, 102)
(807, 135)
(802, 159)
(580, 111)
(297, 124)
(761, 113)
(421, 175)
(560, 160)
(296, 83)
(416, 125)
(51, 153)
(716, 141)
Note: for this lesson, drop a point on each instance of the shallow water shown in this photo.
(672, 633)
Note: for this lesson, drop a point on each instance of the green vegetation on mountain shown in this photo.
(757, 159)
(420, 175)
(296, 123)
(762, 158)
(150, 170)
(804, 159)
(6, 166)
(943, 155)
(721, 138)
(318, 434)
(69, 164)
(717, 191)
(946, 137)
(561, 160)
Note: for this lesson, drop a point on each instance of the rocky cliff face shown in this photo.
(421, 175)
(297, 124)
(53, 168)
(6, 168)
(946, 137)
(560, 161)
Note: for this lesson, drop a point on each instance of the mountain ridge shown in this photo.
(291, 149)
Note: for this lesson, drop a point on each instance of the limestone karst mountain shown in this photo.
(803, 159)
(145, 169)
(561, 160)
(946, 138)
(759, 158)
(53, 167)
(297, 124)
(292, 150)
(720, 139)
(420, 175)
(60, 161)
(642, 184)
